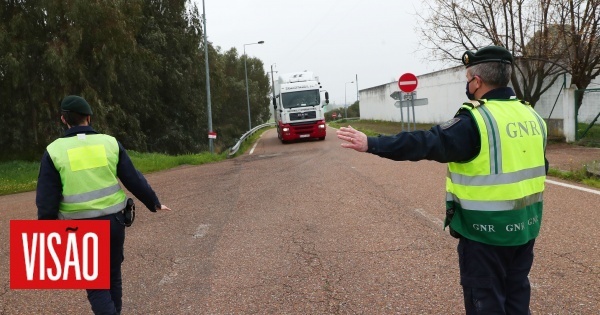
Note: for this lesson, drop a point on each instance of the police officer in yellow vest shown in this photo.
(495, 150)
(78, 180)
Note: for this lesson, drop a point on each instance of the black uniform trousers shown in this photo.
(109, 302)
(495, 278)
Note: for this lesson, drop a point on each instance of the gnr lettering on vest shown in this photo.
(521, 129)
(515, 227)
(521, 226)
(532, 221)
(484, 228)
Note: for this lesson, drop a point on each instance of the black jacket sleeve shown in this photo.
(49, 190)
(454, 141)
(135, 182)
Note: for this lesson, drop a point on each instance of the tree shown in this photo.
(535, 31)
(139, 63)
(259, 84)
(580, 31)
(354, 109)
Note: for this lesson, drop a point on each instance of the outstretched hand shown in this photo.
(354, 139)
(163, 207)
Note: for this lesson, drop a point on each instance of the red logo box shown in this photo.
(59, 254)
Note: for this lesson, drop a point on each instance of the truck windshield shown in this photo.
(301, 98)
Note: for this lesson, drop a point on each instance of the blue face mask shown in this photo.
(470, 95)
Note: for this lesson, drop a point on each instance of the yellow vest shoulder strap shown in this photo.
(471, 105)
(474, 103)
(525, 102)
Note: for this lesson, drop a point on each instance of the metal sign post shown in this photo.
(408, 100)
(397, 95)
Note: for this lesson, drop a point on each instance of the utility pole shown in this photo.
(208, 105)
(345, 101)
(273, 89)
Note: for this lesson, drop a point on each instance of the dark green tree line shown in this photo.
(140, 64)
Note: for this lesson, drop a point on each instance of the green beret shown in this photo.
(77, 104)
(487, 54)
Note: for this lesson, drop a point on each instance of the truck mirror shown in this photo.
(326, 97)
(274, 102)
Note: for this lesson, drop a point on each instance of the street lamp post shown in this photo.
(356, 87)
(209, 114)
(273, 89)
(345, 102)
(246, 74)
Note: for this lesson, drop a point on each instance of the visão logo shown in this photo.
(59, 254)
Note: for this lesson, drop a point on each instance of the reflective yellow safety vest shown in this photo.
(497, 196)
(87, 164)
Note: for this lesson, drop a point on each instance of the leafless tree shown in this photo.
(546, 37)
(581, 33)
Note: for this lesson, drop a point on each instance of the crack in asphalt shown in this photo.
(310, 256)
(5, 290)
(578, 263)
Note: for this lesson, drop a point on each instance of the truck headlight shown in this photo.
(321, 126)
(286, 129)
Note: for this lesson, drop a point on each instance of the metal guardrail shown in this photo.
(233, 150)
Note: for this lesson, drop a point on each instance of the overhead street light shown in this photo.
(345, 102)
(246, 74)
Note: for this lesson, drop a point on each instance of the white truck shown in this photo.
(297, 107)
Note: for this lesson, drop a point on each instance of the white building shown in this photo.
(445, 92)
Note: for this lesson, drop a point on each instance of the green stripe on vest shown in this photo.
(501, 228)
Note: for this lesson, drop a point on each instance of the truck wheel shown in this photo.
(322, 138)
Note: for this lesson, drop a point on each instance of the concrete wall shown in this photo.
(589, 108)
(445, 91)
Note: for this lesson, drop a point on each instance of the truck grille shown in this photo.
(303, 115)
(303, 128)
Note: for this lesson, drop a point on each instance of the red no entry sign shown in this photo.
(407, 82)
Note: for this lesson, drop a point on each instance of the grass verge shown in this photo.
(578, 176)
(21, 176)
(18, 176)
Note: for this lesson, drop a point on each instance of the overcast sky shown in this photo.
(336, 39)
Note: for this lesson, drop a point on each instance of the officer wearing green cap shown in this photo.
(76, 104)
(78, 179)
(495, 150)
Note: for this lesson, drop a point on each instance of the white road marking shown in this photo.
(201, 230)
(254, 147)
(168, 278)
(429, 217)
(531, 284)
(437, 221)
(593, 191)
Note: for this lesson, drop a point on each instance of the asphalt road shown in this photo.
(311, 228)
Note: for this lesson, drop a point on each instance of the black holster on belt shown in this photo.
(449, 216)
(129, 213)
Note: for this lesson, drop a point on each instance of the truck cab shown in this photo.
(298, 107)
